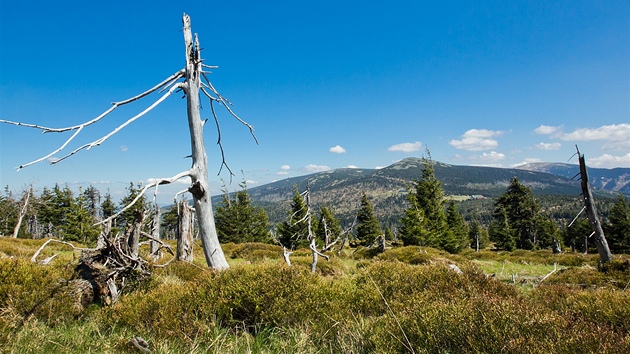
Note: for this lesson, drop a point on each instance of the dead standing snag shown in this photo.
(193, 81)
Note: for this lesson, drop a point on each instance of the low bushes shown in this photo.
(400, 299)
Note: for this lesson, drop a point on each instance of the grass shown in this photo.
(407, 299)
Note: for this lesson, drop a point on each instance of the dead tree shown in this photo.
(311, 235)
(184, 232)
(193, 81)
(591, 212)
(22, 211)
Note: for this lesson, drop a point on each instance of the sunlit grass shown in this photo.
(407, 297)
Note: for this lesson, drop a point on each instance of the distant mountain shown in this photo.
(341, 189)
(614, 179)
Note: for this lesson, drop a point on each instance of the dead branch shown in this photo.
(79, 127)
(34, 258)
(555, 268)
(160, 242)
(120, 127)
(142, 191)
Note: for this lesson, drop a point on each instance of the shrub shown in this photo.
(28, 289)
(256, 251)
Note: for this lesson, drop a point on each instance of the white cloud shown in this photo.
(548, 146)
(609, 161)
(123, 148)
(337, 149)
(406, 147)
(477, 140)
(614, 132)
(352, 166)
(249, 182)
(546, 130)
(379, 167)
(490, 157)
(284, 170)
(316, 168)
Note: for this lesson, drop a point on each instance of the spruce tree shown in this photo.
(618, 226)
(368, 227)
(169, 223)
(135, 212)
(520, 213)
(329, 227)
(501, 232)
(477, 235)
(457, 236)
(293, 232)
(424, 222)
(8, 212)
(238, 221)
(80, 221)
(108, 207)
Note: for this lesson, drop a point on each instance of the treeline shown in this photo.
(516, 219)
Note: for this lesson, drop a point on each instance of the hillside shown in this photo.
(341, 189)
(613, 179)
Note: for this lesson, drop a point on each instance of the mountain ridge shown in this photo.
(341, 189)
(611, 179)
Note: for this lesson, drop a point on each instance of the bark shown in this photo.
(593, 217)
(184, 233)
(199, 170)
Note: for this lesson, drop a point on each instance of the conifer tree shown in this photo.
(424, 222)
(477, 235)
(368, 227)
(132, 214)
(237, 220)
(80, 221)
(576, 236)
(501, 232)
(108, 207)
(329, 227)
(133, 219)
(169, 223)
(8, 212)
(519, 213)
(456, 239)
(389, 234)
(293, 232)
(618, 226)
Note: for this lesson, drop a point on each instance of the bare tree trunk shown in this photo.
(477, 242)
(184, 233)
(591, 211)
(133, 233)
(105, 233)
(155, 233)
(199, 170)
(16, 230)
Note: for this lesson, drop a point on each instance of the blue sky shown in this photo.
(326, 84)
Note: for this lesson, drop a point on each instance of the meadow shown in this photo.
(407, 299)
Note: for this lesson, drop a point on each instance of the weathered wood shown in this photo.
(16, 230)
(155, 233)
(199, 170)
(591, 211)
(184, 233)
